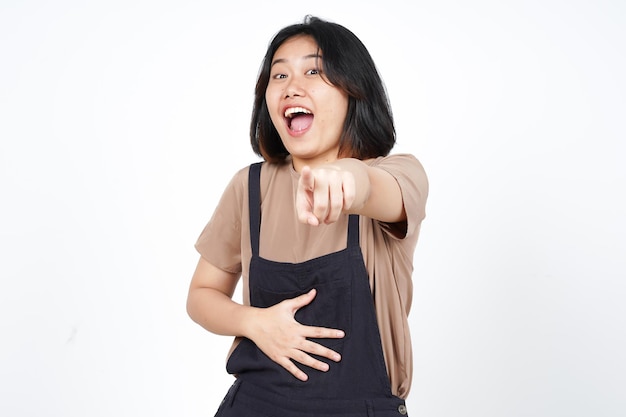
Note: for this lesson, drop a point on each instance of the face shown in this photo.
(307, 111)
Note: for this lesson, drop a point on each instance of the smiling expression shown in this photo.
(307, 111)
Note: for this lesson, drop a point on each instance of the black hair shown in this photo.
(368, 131)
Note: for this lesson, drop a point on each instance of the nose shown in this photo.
(294, 88)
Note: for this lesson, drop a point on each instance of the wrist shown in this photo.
(249, 321)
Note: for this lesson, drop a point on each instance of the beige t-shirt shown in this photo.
(387, 248)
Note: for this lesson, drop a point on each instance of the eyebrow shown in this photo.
(282, 60)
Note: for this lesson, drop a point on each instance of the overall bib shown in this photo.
(358, 385)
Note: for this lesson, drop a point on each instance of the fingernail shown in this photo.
(340, 333)
(336, 357)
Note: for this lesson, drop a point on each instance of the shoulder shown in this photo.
(276, 168)
(240, 179)
(401, 162)
(406, 169)
(276, 175)
(413, 182)
(236, 191)
(238, 185)
(270, 173)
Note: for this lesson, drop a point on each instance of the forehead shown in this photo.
(300, 46)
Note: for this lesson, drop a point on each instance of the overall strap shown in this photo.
(254, 205)
(353, 231)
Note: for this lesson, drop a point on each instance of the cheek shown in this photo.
(270, 102)
(339, 104)
(276, 120)
(339, 114)
(272, 95)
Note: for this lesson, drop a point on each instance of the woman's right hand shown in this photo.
(274, 330)
(277, 333)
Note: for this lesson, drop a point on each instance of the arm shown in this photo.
(348, 186)
(274, 330)
(209, 301)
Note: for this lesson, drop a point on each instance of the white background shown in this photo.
(122, 121)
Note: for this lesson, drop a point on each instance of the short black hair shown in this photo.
(368, 131)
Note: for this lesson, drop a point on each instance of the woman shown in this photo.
(323, 234)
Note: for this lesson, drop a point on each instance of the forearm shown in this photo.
(274, 329)
(218, 313)
(377, 194)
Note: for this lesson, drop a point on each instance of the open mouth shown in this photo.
(298, 118)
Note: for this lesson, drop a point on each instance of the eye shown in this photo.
(313, 71)
(279, 76)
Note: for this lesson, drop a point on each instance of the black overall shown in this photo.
(358, 385)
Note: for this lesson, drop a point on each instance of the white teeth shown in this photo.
(292, 110)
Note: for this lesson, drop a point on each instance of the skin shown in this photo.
(328, 188)
(296, 80)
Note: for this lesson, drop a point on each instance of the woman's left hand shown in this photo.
(323, 194)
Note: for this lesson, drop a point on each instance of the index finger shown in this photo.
(305, 197)
(306, 179)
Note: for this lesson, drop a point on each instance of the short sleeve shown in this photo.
(411, 177)
(220, 241)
